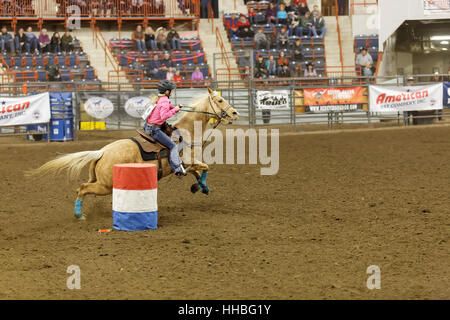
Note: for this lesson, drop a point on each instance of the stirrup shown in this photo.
(182, 172)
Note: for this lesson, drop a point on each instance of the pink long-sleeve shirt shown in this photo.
(163, 111)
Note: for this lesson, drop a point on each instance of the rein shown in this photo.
(215, 114)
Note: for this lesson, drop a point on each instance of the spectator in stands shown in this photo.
(297, 50)
(67, 42)
(170, 74)
(261, 40)
(251, 15)
(245, 32)
(243, 22)
(282, 38)
(247, 72)
(260, 68)
(232, 25)
(154, 66)
(55, 43)
(310, 72)
(137, 5)
(293, 24)
(161, 40)
(44, 41)
(150, 40)
(282, 17)
(173, 38)
(319, 25)
(6, 39)
(306, 24)
(303, 9)
(271, 66)
(298, 72)
(436, 77)
(362, 59)
(32, 40)
(271, 13)
(197, 75)
(282, 61)
(21, 41)
(315, 11)
(177, 77)
(167, 60)
(284, 72)
(367, 71)
(138, 37)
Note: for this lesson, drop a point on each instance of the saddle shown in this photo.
(150, 149)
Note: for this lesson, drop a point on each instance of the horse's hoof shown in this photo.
(205, 190)
(195, 187)
(82, 218)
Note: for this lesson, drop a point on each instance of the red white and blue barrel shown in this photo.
(135, 189)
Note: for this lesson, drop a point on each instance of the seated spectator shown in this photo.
(261, 40)
(251, 15)
(271, 66)
(306, 24)
(282, 17)
(44, 41)
(362, 59)
(284, 72)
(246, 72)
(303, 9)
(367, 71)
(167, 60)
(173, 38)
(232, 25)
(154, 66)
(67, 42)
(297, 50)
(282, 61)
(150, 40)
(293, 24)
(21, 43)
(319, 25)
(245, 33)
(32, 40)
(243, 22)
(177, 77)
(315, 12)
(6, 39)
(55, 43)
(260, 68)
(162, 72)
(197, 75)
(271, 13)
(282, 38)
(161, 40)
(138, 37)
(310, 72)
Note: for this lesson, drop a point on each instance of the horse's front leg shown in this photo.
(200, 171)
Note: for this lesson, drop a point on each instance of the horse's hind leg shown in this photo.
(85, 189)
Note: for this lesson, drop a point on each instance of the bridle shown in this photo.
(223, 114)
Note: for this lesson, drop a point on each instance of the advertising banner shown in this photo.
(25, 110)
(272, 100)
(447, 94)
(334, 99)
(412, 98)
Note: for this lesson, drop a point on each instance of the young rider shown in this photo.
(162, 111)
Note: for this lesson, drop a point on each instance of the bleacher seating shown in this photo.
(137, 64)
(313, 47)
(32, 67)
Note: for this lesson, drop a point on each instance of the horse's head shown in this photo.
(222, 108)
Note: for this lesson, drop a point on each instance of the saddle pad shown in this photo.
(149, 151)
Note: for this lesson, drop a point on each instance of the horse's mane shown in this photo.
(197, 102)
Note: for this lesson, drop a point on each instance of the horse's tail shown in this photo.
(72, 162)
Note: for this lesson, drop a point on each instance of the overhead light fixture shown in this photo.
(444, 49)
(444, 42)
(439, 38)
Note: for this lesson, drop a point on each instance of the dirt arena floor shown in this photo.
(341, 202)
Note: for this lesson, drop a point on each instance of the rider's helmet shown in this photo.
(165, 85)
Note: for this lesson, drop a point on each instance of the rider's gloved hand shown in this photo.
(180, 106)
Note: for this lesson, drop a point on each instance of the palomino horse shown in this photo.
(102, 161)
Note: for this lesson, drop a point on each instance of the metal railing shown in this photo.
(361, 4)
